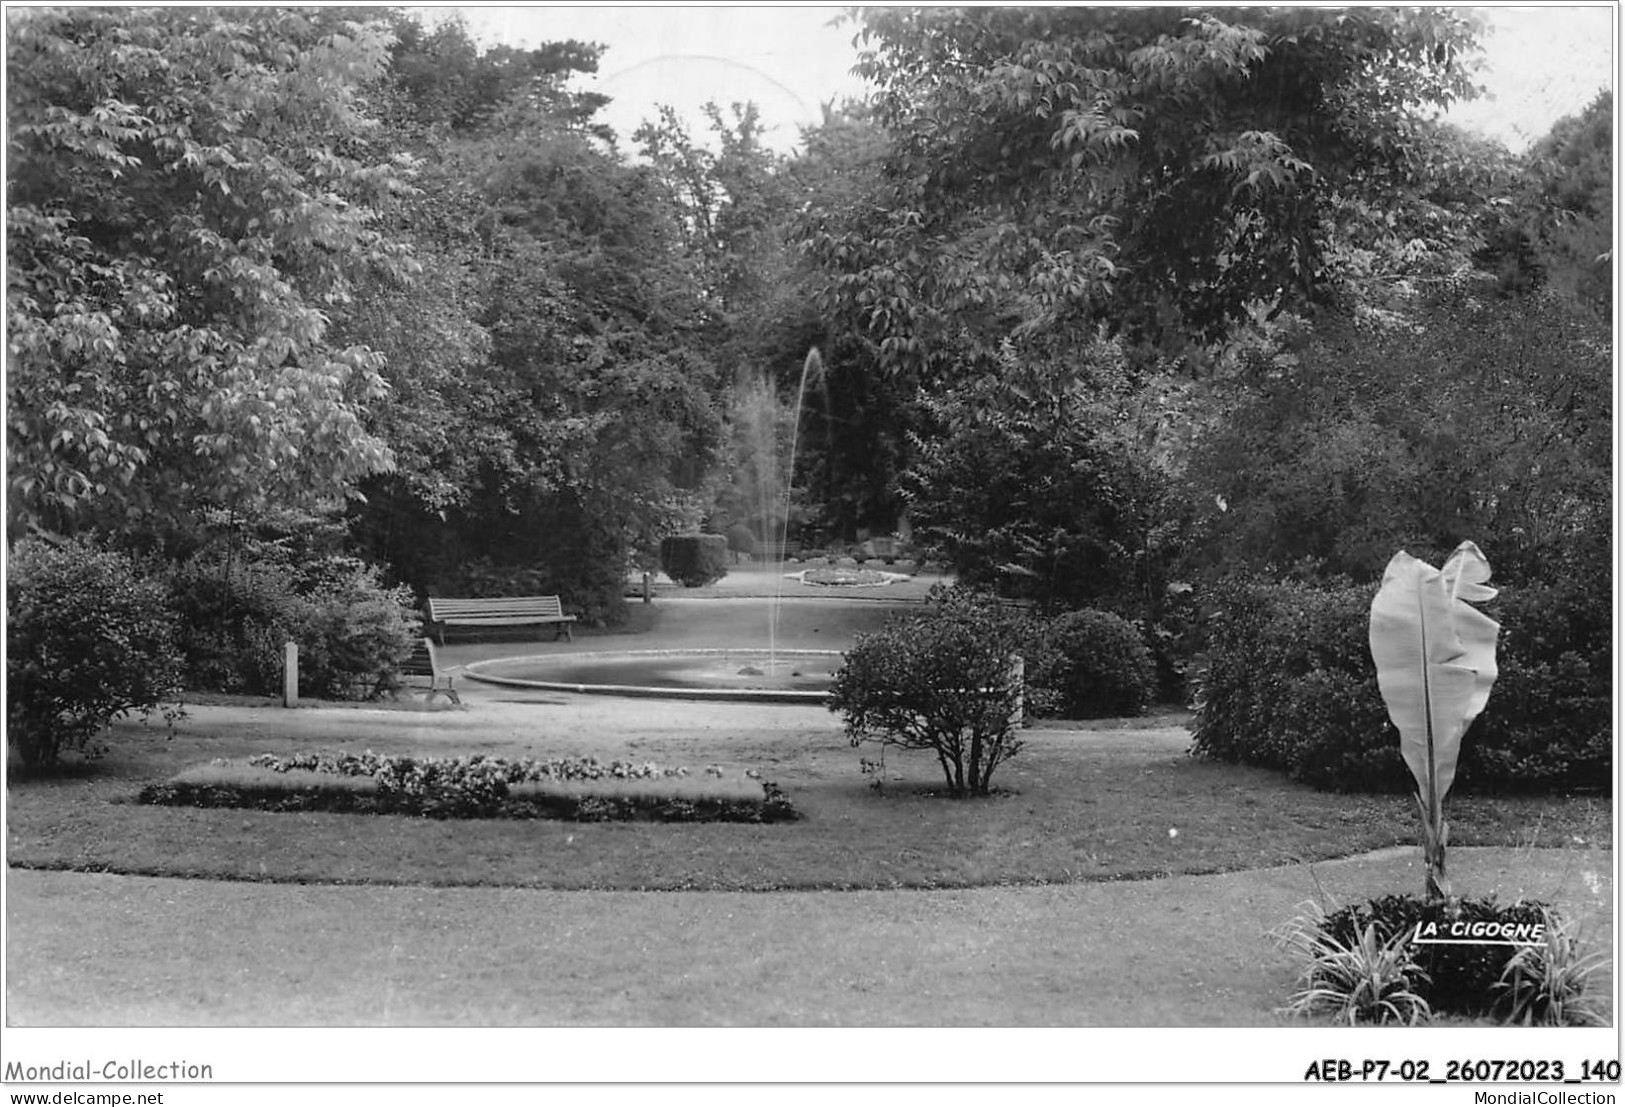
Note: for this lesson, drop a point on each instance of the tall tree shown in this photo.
(1571, 206)
(858, 415)
(551, 405)
(445, 80)
(1029, 480)
(729, 203)
(190, 199)
(1178, 174)
(1162, 168)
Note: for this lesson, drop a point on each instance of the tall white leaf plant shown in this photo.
(1435, 656)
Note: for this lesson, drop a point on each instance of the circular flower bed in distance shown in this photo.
(845, 578)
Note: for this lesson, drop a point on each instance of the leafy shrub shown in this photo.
(1095, 664)
(86, 639)
(1349, 440)
(355, 633)
(693, 560)
(236, 615)
(1288, 683)
(234, 618)
(937, 680)
(1549, 723)
(481, 577)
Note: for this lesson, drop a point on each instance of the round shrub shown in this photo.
(693, 560)
(1096, 666)
(938, 680)
(87, 638)
(354, 632)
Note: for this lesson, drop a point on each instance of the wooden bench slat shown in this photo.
(524, 606)
(496, 599)
(502, 611)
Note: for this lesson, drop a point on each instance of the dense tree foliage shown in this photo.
(1030, 481)
(1163, 168)
(1569, 200)
(191, 196)
(556, 409)
(441, 80)
(1112, 305)
(1026, 175)
(1486, 420)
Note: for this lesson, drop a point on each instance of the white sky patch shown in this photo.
(1540, 65)
(786, 60)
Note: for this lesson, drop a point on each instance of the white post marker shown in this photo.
(290, 675)
(1018, 680)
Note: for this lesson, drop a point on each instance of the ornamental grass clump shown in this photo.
(1359, 977)
(1552, 983)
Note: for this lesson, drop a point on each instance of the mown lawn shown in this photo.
(434, 923)
(1098, 804)
(93, 950)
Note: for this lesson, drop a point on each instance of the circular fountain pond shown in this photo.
(741, 676)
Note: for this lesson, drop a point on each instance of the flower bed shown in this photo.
(476, 787)
(846, 577)
(1401, 958)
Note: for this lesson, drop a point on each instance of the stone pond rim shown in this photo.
(718, 675)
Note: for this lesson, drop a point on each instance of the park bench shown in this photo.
(499, 611)
(425, 662)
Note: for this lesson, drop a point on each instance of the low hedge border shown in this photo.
(475, 788)
(1287, 683)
